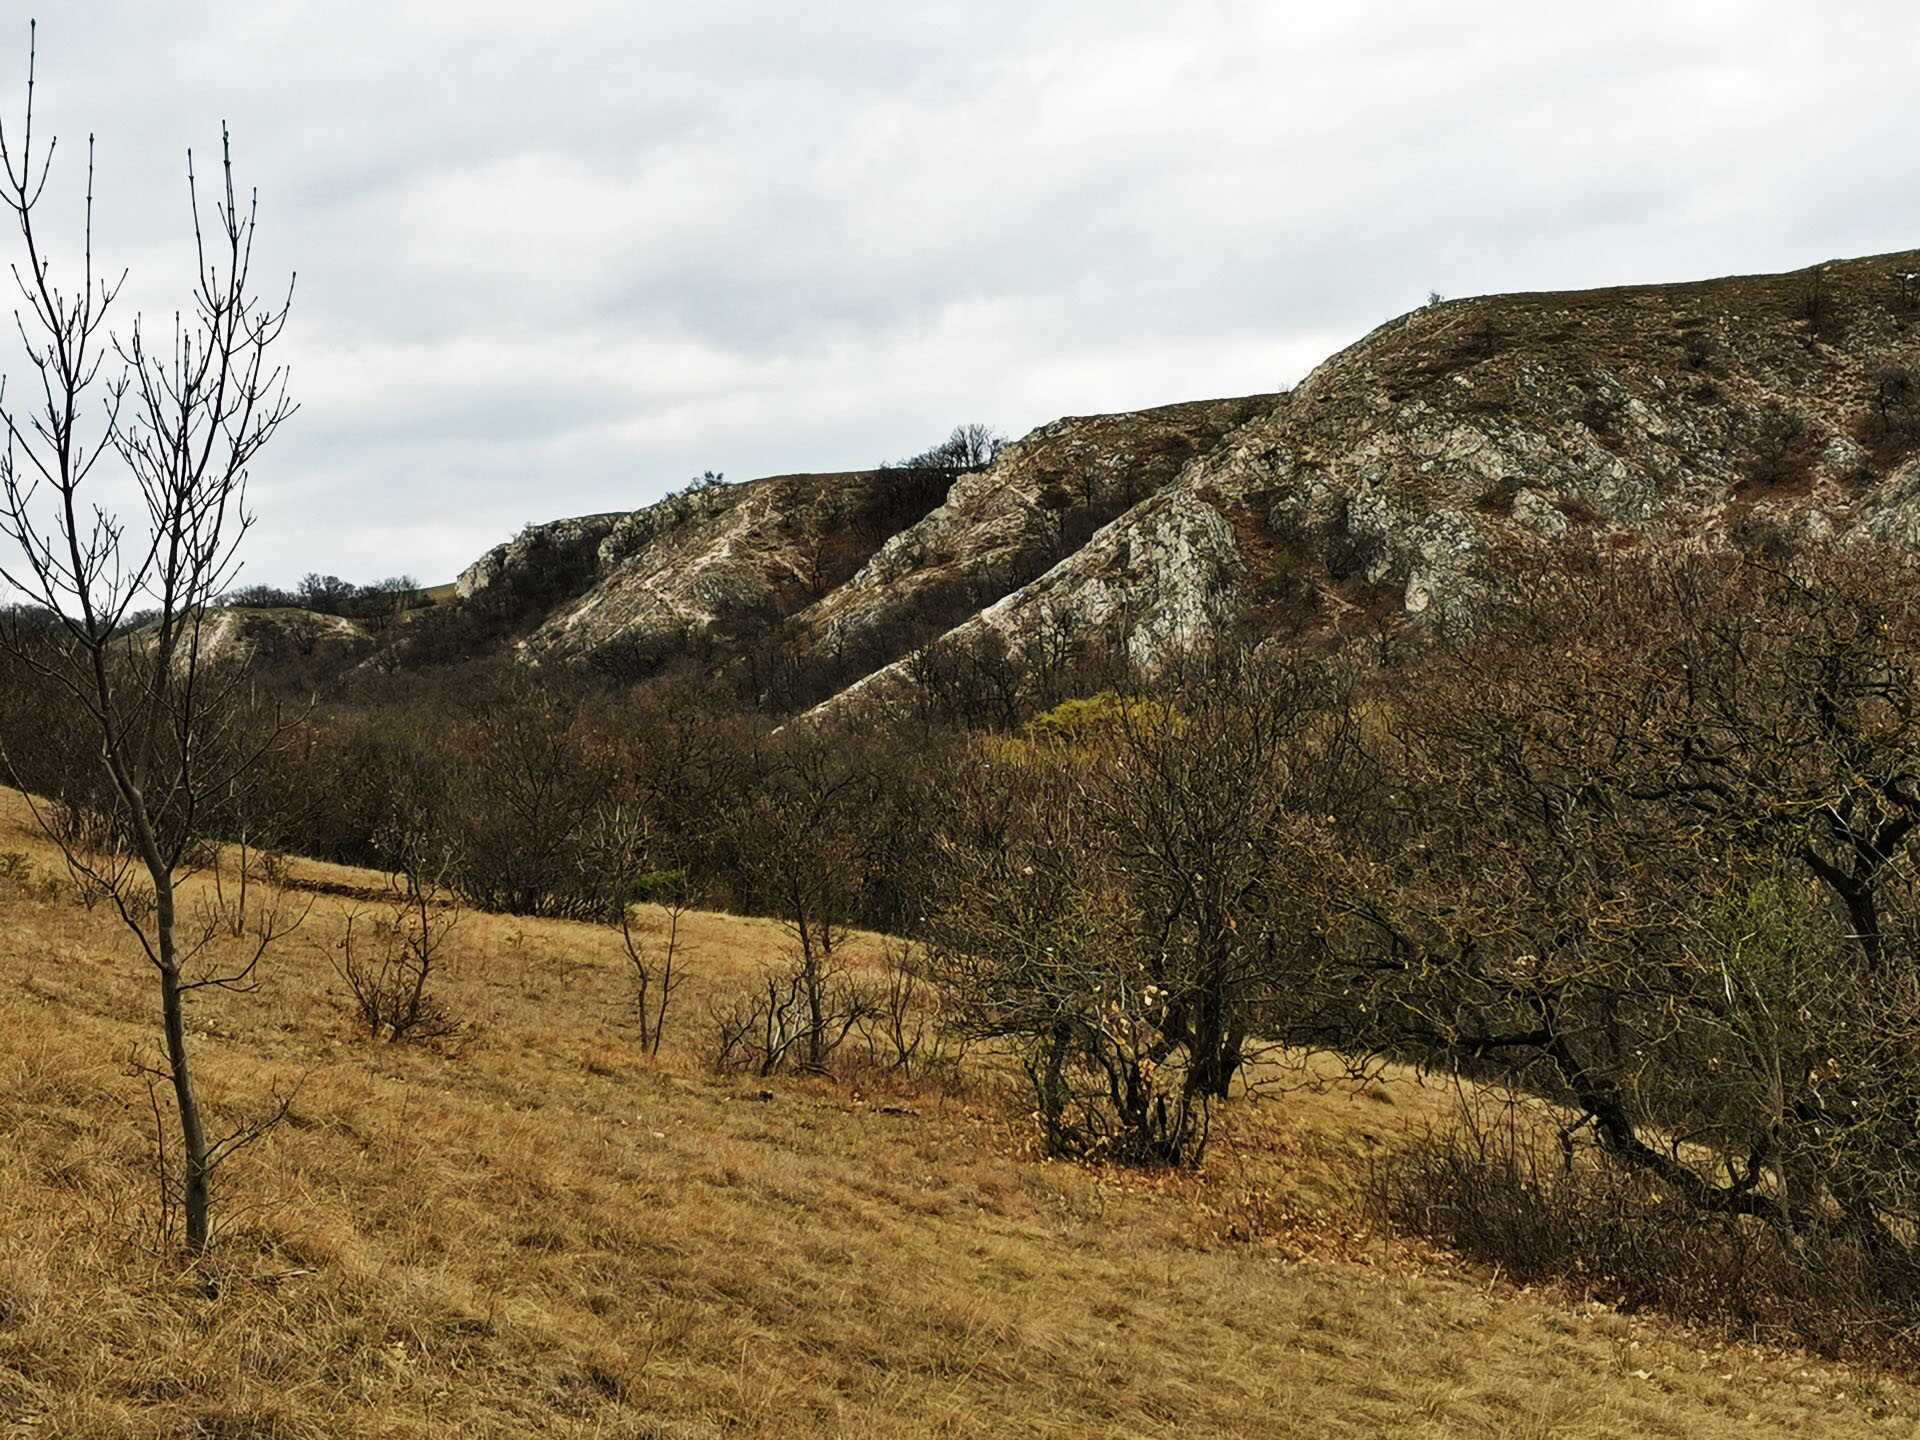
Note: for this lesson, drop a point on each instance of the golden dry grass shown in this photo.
(539, 1233)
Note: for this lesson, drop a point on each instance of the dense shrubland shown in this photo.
(1646, 851)
(1636, 846)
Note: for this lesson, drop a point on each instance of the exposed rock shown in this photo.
(1464, 431)
(1437, 452)
(1416, 468)
(1042, 500)
(564, 553)
(723, 567)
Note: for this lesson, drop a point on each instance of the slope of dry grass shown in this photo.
(539, 1233)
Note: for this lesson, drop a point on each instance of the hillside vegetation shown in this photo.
(534, 1231)
(1241, 887)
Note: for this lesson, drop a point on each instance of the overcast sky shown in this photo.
(557, 257)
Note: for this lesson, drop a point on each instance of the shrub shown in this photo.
(903, 1024)
(1503, 1183)
(389, 965)
(1819, 307)
(1081, 722)
(795, 1017)
(1892, 425)
(1032, 947)
(1785, 445)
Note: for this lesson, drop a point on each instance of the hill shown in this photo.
(837, 574)
(1402, 476)
(537, 1231)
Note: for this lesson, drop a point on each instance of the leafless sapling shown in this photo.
(621, 854)
(389, 965)
(176, 421)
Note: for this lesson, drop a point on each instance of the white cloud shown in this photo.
(559, 257)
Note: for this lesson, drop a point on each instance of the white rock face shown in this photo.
(1008, 526)
(800, 555)
(1539, 514)
(1420, 469)
(1164, 578)
(731, 562)
(1164, 575)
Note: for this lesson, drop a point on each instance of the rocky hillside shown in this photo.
(1740, 411)
(1409, 470)
(1401, 476)
(860, 566)
(710, 569)
(282, 638)
(1002, 529)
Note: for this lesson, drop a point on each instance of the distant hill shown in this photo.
(1404, 475)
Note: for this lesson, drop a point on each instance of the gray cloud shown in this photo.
(557, 258)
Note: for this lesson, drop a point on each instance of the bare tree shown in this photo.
(657, 973)
(1033, 944)
(391, 966)
(970, 447)
(619, 855)
(809, 838)
(1204, 792)
(181, 420)
(1648, 850)
(1127, 897)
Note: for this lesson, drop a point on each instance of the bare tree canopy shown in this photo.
(173, 419)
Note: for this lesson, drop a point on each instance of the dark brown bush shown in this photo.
(1502, 1185)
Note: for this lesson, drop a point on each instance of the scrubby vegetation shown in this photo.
(1633, 850)
(463, 1113)
(330, 595)
(537, 1230)
(1628, 857)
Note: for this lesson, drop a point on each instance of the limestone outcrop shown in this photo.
(1410, 472)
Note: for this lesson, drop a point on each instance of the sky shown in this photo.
(559, 257)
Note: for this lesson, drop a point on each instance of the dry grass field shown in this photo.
(536, 1232)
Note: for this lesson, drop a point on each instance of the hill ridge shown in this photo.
(1402, 476)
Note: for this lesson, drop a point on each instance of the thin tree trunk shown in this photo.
(193, 1133)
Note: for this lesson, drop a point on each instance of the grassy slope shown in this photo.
(541, 1234)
